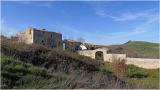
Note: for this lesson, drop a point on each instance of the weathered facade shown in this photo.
(71, 45)
(41, 37)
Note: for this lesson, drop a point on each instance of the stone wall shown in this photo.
(111, 57)
(50, 39)
(106, 57)
(144, 62)
(26, 36)
(88, 53)
(91, 53)
(71, 45)
(140, 62)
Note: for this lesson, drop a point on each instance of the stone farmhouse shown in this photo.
(49, 39)
(41, 37)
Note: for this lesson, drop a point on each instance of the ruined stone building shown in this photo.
(73, 45)
(41, 37)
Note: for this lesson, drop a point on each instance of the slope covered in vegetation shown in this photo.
(139, 77)
(135, 49)
(17, 74)
(33, 66)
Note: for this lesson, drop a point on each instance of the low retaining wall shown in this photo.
(140, 62)
(88, 53)
(111, 57)
(144, 62)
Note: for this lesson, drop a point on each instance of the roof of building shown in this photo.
(44, 30)
(71, 40)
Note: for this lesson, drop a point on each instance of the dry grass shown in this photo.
(120, 68)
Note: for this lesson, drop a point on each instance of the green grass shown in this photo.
(139, 77)
(136, 49)
(144, 49)
(17, 74)
(143, 78)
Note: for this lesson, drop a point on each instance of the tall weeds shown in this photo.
(120, 68)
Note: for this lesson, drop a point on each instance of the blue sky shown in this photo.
(96, 21)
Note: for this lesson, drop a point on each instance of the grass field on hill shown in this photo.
(139, 49)
(34, 66)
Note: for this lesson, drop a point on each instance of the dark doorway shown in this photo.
(99, 55)
(43, 42)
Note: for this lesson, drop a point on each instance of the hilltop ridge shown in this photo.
(136, 49)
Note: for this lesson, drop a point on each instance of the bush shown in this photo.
(17, 74)
(120, 68)
(37, 70)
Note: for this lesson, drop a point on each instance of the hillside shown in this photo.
(135, 49)
(34, 66)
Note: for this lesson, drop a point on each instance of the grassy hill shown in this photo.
(34, 66)
(135, 49)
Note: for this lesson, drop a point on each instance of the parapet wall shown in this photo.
(88, 53)
(111, 57)
(140, 62)
(144, 62)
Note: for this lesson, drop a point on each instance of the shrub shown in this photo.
(17, 74)
(120, 68)
(37, 70)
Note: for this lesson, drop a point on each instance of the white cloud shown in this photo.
(47, 4)
(109, 38)
(138, 30)
(128, 16)
(146, 22)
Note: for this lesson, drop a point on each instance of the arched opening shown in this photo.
(99, 55)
